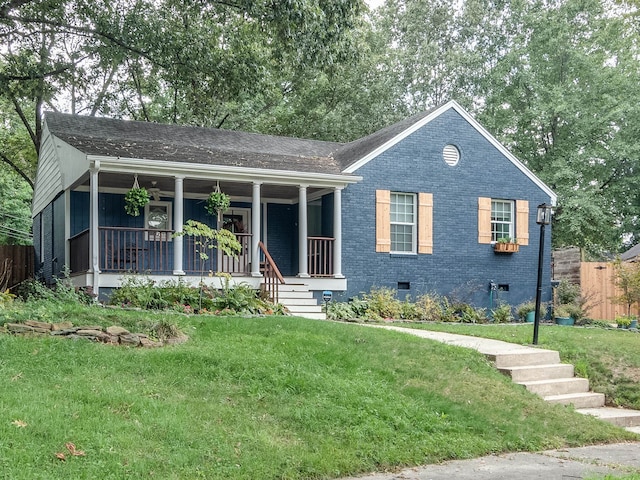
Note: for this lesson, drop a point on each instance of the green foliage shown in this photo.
(293, 399)
(567, 292)
(6, 298)
(470, 314)
(623, 321)
(502, 314)
(382, 303)
(145, 293)
(434, 308)
(217, 202)
(530, 306)
(15, 209)
(627, 279)
(136, 199)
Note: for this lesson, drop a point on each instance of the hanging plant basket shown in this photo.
(217, 202)
(136, 199)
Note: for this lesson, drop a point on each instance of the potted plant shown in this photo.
(506, 245)
(217, 202)
(135, 199)
(527, 311)
(564, 314)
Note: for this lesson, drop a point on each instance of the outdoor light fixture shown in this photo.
(544, 218)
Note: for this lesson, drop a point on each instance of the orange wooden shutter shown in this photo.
(383, 221)
(484, 220)
(425, 223)
(522, 222)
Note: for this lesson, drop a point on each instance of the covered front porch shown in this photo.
(290, 223)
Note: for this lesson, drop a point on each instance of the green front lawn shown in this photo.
(269, 397)
(609, 358)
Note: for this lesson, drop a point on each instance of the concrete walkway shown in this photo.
(572, 463)
(594, 461)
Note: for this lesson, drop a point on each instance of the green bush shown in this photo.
(382, 303)
(502, 314)
(340, 311)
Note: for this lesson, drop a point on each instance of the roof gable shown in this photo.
(358, 153)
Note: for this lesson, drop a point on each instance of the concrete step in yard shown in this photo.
(555, 383)
(578, 400)
(618, 416)
(539, 372)
(557, 386)
(525, 358)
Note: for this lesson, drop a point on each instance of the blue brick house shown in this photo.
(418, 206)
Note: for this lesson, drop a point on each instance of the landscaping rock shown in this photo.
(19, 328)
(43, 326)
(130, 339)
(148, 343)
(115, 330)
(61, 326)
(112, 335)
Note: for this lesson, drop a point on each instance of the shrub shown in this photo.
(502, 314)
(382, 303)
(340, 311)
(433, 307)
(410, 310)
(530, 306)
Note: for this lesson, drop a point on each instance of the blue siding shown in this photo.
(79, 212)
(459, 266)
(37, 222)
(59, 240)
(47, 243)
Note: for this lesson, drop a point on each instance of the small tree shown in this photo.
(627, 279)
(206, 239)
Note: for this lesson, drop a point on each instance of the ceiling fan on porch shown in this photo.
(154, 191)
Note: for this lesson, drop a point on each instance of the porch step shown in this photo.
(299, 301)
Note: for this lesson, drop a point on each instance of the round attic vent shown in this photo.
(451, 155)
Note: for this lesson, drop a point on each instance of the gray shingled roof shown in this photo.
(154, 141)
(354, 151)
(631, 254)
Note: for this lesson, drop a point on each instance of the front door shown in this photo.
(238, 221)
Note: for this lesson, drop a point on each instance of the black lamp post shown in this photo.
(543, 219)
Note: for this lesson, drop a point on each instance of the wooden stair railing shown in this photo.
(270, 274)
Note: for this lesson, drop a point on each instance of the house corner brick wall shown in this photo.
(459, 267)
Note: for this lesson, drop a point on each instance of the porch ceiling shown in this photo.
(198, 187)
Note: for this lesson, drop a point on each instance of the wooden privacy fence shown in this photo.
(16, 264)
(597, 283)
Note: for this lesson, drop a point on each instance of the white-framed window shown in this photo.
(502, 219)
(157, 216)
(403, 222)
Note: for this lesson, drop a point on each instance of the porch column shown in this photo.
(255, 230)
(302, 232)
(178, 220)
(94, 246)
(337, 233)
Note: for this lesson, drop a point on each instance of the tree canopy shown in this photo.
(554, 80)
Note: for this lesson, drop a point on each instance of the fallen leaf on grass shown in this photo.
(72, 450)
(16, 377)
(19, 423)
(60, 456)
